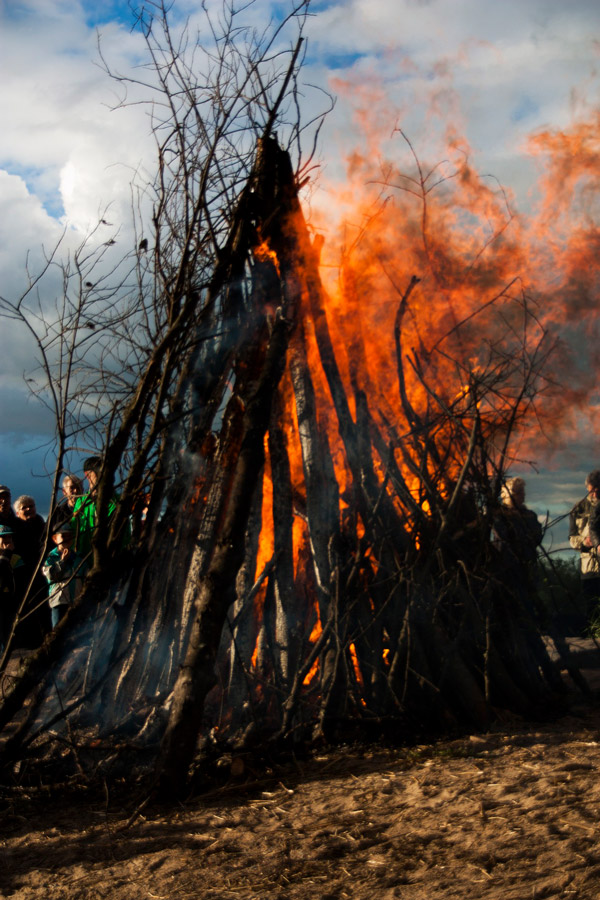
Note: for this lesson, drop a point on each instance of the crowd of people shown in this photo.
(517, 534)
(44, 563)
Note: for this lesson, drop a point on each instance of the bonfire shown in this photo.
(323, 460)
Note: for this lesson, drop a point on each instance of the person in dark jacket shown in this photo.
(72, 489)
(7, 600)
(517, 533)
(7, 514)
(31, 530)
(12, 582)
(31, 546)
(517, 530)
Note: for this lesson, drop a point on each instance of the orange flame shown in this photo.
(478, 262)
(263, 253)
(482, 271)
(314, 637)
(356, 665)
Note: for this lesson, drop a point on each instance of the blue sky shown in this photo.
(96, 13)
(503, 70)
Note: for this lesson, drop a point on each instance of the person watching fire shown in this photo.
(11, 582)
(31, 545)
(584, 536)
(85, 517)
(517, 533)
(72, 489)
(31, 530)
(84, 509)
(7, 514)
(63, 572)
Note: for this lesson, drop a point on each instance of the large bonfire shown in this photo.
(320, 532)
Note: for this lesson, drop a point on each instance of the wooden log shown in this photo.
(287, 613)
(215, 590)
(321, 486)
(241, 635)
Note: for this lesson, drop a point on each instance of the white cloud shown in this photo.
(500, 70)
(56, 101)
(26, 232)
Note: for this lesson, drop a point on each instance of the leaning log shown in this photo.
(216, 590)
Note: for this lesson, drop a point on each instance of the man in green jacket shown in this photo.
(84, 511)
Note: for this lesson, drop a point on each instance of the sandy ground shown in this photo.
(510, 815)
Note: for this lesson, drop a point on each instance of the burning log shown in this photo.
(260, 367)
(321, 487)
(286, 619)
(241, 634)
(215, 591)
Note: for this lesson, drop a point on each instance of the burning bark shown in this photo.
(215, 592)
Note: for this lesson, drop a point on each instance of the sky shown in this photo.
(499, 71)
